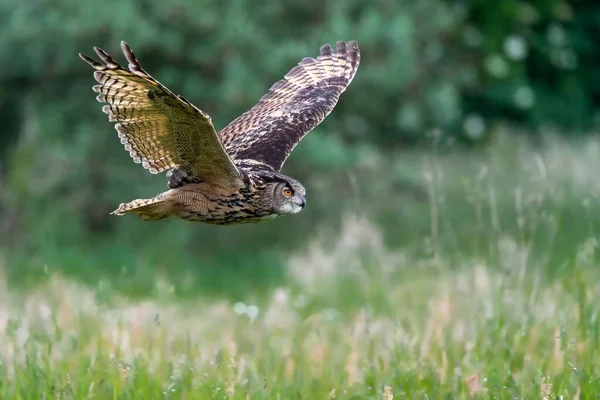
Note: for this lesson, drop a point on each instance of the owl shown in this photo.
(228, 177)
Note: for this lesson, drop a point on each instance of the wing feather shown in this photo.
(159, 129)
(292, 107)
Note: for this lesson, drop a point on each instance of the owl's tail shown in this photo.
(147, 209)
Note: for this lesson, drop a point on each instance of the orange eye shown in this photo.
(288, 192)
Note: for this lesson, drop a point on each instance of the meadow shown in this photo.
(496, 297)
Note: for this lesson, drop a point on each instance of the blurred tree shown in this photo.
(540, 62)
(223, 56)
(426, 64)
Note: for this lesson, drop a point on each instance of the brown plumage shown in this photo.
(228, 177)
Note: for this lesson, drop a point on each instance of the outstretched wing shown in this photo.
(159, 129)
(292, 107)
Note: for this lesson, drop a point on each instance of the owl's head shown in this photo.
(289, 196)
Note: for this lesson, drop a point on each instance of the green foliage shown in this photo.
(427, 64)
(349, 320)
(539, 62)
(493, 292)
(497, 273)
(65, 168)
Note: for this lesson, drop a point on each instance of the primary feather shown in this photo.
(292, 107)
(159, 129)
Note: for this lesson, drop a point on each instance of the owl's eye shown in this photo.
(288, 192)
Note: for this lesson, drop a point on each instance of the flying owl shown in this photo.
(232, 176)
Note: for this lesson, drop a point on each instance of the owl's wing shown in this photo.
(292, 107)
(159, 129)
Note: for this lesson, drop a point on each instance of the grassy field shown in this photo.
(500, 300)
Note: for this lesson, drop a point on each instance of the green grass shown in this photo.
(500, 299)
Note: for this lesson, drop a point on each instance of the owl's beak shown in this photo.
(301, 201)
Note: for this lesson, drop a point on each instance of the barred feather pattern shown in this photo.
(160, 130)
(292, 107)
